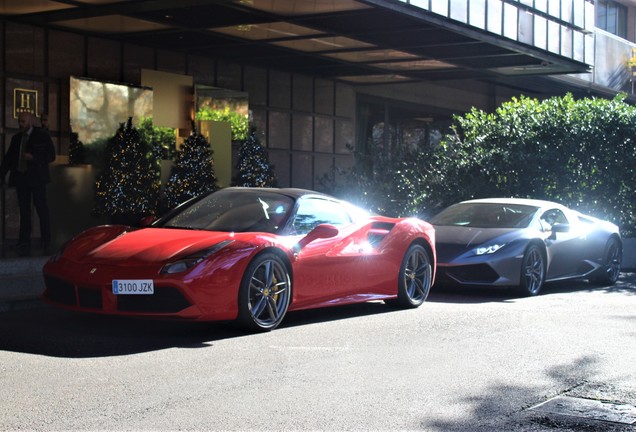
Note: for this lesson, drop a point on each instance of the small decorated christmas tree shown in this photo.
(76, 150)
(128, 187)
(254, 169)
(193, 171)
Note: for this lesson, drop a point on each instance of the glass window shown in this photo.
(459, 10)
(554, 37)
(540, 32)
(315, 211)
(578, 11)
(440, 7)
(566, 11)
(552, 217)
(324, 96)
(511, 21)
(302, 171)
(477, 13)
(302, 132)
(279, 130)
(280, 89)
(554, 8)
(303, 93)
(486, 215)
(323, 132)
(387, 130)
(541, 5)
(611, 17)
(526, 27)
(239, 210)
(578, 48)
(566, 42)
(495, 16)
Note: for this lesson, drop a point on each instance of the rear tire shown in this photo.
(611, 268)
(264, 294)
(416, 277)
(532, 271)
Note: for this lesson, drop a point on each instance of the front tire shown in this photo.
(264, 293)
(612, 263)
(532, 271)
(416, 277)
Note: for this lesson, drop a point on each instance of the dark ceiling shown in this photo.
(358, 41)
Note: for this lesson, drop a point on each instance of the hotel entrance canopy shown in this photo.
(355, 41)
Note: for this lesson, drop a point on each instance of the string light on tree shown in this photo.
(128, 187)
(254, 169)
(76, 150)
(193, 171)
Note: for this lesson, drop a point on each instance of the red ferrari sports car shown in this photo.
(246, 254)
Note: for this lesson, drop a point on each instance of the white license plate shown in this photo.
(133, 286)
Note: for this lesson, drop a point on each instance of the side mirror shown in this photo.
(322, 231)
(145, 222)
(559, 228)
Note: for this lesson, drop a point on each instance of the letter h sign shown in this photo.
(25, 101)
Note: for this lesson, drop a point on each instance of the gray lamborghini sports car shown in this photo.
(521, 243)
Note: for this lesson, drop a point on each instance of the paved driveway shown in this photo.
(464, 361)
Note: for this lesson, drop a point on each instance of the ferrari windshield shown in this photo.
(232, 210)
(486, 215)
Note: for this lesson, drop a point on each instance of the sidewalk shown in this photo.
(21, 283)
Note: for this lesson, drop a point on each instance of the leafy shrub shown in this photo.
(577, 152)
(162, 139)
(239, 123)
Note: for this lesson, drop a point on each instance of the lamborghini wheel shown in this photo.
(611, 268)
(264, 293)
(532, 271)
(416, 277)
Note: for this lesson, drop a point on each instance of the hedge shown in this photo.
(580, 153)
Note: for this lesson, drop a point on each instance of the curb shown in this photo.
(21, 283)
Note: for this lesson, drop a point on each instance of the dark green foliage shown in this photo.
(162, 139)
(193, 171)
(577, 152)
(254, 169)
(239, 123)
(128, 186)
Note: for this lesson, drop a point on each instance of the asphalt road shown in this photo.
(464, 361)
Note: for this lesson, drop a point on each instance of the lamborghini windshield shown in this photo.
(232, 210)
(486, 215)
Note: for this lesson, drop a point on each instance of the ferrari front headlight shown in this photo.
(489, 249)
(190, 261)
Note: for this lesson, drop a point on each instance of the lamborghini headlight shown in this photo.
(489, 249)
(190, 261)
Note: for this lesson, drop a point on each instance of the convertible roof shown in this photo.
(521, 201)
(290, 192)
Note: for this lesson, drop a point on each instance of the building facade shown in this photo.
(321, 77)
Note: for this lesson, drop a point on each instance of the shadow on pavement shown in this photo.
(467, 295)
(49, 331)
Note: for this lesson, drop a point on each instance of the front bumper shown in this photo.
(194, 296)
(501, 272)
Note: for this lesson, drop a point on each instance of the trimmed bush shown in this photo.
(580, 153)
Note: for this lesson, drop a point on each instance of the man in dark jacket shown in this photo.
(27, 162)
